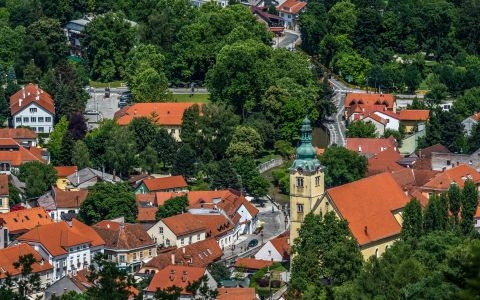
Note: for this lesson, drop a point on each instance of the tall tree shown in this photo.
(190, 125)
(454, 201)
(144, 132)
(54, 145)
(80, 155)
(77, 126)
(224, 176)
(120, 151)
(171, 207)
(412, 227)
(342, 166)
(66, 151)
(166, 146)
(184, 163)
(38, 178)
(361, 129)
(313, 26)
(469, 206)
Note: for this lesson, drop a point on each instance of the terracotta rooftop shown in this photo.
(12, 254)
(69, 199)
(368, 206)
(215, 224)
(458, 175)
(18, 133)
(385, 161)
(122, 236)
(236, 294)
(370, 99)
(21, 221)
(292, 6)
(427, 152)
(15, 154)
(184, 224)
(179, 276)
(476, 117)
(165, 183)
(65, 171)
(28, 94)
(370, 146)
(147, 207)
(167, 113)
(56, 238)
(376, 118)
(282, 244)
(414, 114)
(252, 263)
(3, 184)
(80, 280)
(408, 178)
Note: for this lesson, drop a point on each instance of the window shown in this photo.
(289, 16)
(198, 237)
(300, 208)
(18, 119)
(48, 119)
(150, 252)
(40, 129)
(34, 128)
(282, 14)
(182, 241)
(134, 256)
(33, 109)
(40, 119)
(160, 230)
(33, 119)
(167, 242)
(448, 162)
(190, 239)
(121, 258)
(25, 119)
(317, 181)
(299, 181)
(141, 254)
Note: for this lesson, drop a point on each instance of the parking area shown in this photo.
(100, 107)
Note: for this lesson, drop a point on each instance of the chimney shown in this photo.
(135, 112)
(183, 250)
(288, 241)
(359, 148)
(173, 258)
(365, 230)
(20, 102)
(184, 276)
(23, 92)
(113, 175)
(172, 275)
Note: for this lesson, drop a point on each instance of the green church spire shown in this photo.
(306, 154)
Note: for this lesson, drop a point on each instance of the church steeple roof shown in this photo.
(306, 154)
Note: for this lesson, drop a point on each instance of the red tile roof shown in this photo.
(147, 214)
(282, 244)
(367, 205)
(385, 161)
(165, 183)
(376, 118)
(427, 152)
(168, 113)
(3, 184)
(370, 99)
(11, 152)
(69, 199)
(414, 115)
(29, 94)
(57, 237)
(252, 263)
(408, 177)
(184, 224)
(18, 133)
(180, 276)
(370, 146)
(216, 225)
(123, 236)
(21, 221)
(236, 294)
(476, 117)
(292, 6)
(161, 197)
(10, 255)
(64, 171)
(458, 175)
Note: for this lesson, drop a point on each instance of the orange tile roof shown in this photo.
(282, 244)
(13, 153)
(18, 133)
(367, 205)
(12, 254)
(165, 183)
(20, 221)
(183, 224)
(161, 197)
(476, 117)
(370, 99)
(292, 6)
(376, 118)
(69, 199)
(416, 193)
(167, 113)
(180, 276)
(252, 263)
(236, 294)
(414, 114)
(216, 225)
(123, 236)
(57, 237)
(458, 174)
(408, 177)
(146, 214)
(477, 212)
(3, 184)
(385, 161)
(370, 146)
(29, 94)
(64, 171)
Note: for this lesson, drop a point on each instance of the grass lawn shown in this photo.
(274, 191)
(198, 98)
(113, 84)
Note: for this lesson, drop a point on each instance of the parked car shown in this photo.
(122, 104)
(252, 243)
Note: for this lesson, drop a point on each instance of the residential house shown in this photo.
(263, 16)
(456, 175)
(62, 173)
(277, 249)
(67, 246)
(168, 115)
(147, 209)
(410, 180)
(391, 119)
(236, 294)
(179, 276)
(385, 161)
(62, 205)
(251, 265)
(23, 136)
(162, 184)
(11, 255)
(373, 209)
(74, 32)
(441, 161)
(4, 194)
(414, 120)
(87, 177)
(18, 222)
(76, 282)
(377, 121)
(12, 155)
(179, 230)
(371, 146)
(135, 180)
(424, 157)
(469, 122)
(218, 226)
(200, 254)
(358, 105)
(290, 11)
(32, 107)
(129, 245)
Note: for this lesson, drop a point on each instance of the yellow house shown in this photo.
(413, 120)
(4, 199)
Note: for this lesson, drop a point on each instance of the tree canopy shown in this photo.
(342, 166)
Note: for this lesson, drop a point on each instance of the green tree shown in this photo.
(313, 26)
(360, 129)
(223, 176)
(171, 207)
(4, 107)
(249, 176)
(66, 151)
(120, 151)
(80, 155)
(107, 200)
(342, 166)
(166, 147)
(467, 104)
(32, 73)
(246, 141)
(412, 227)
(219, 271)
(143, 130)
(469, 206)
(342, 18)
(54, 145)
(38, 178)
(454, 202)
(170, 293)
(325, 252)
(149, 159)
(184, 163)
(190, 125)
(11, 39)
(435, 215)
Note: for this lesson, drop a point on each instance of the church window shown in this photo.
(299, 207)
(317, 181)
(299, 181)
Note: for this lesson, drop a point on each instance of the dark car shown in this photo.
(122, 104)
(252, 243)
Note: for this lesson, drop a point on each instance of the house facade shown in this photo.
(62, 205)
(4, 194)
(162, 184)
(442, 181)
(470, 122)
(23, 136)
(290, 11)
(32, 107)
(179, 230)
(277, 249)
(13, 155)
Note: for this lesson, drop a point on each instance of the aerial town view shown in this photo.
(239, 149)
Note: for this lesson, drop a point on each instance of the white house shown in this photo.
(289, 11)
(469, 122)
(32, 107)
(179, 230)
(392, 119)
(66, 246)
(62, 205)
(277, 249)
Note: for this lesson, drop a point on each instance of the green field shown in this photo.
(200, 98)
(113, 84)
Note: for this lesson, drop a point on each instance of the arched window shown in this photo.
(376, 252)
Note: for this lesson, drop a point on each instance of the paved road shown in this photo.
(288, 40)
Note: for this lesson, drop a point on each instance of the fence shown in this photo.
(270, 165)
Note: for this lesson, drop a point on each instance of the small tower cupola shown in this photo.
(306, 158)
